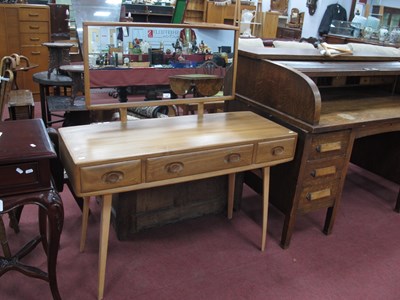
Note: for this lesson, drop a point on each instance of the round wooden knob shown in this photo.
(278, 150)
(112, 177)
(174, 168)
(233, 157)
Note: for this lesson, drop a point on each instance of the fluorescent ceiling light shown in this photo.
(102, 13)
(113, 1)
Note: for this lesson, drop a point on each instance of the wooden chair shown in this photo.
(6, 82)
(20, 102)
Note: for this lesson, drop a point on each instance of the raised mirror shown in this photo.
(126, 64)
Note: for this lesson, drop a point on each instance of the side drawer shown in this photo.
(34, 27)
(276, 150)
(329, 144)
(110, 176)
(317, 171)
(314, 197)
(29, 14)
(180, 165)
(33, 39)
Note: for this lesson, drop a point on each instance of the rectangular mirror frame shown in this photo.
(123, 106)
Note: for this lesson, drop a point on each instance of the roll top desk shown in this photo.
(344, 109)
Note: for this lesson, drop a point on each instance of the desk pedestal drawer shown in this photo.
(110, 176)
(318, 196)
(181, 165)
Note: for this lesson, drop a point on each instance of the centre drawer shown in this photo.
(180, 165)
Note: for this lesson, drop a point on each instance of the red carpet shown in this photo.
(214, 258)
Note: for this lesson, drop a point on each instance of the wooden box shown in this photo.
(139, 210)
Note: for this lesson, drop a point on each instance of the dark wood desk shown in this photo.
(344, 109)
(25, 178)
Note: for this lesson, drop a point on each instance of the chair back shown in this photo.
(6, 83)
(208, 67)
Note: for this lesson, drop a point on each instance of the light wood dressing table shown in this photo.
(107, 158)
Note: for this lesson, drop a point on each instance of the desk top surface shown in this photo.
(306, 54)
(115, 141)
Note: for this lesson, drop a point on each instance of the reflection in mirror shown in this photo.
(93, 10)
(129, 63)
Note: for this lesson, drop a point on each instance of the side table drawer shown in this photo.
(28, 176)
(181, 165)
(110, 176)
(276, 150)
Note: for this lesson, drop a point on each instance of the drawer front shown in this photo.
(110, 176)
(181, 165)
(29, 14)
(318, 171)
(34, 27)
(29, 176)
(329, 145)
(34, 39)
(276, 150)
(318, 196)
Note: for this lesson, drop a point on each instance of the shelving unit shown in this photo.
(196, 11)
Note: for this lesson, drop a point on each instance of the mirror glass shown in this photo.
(128, 63)
(93, 10)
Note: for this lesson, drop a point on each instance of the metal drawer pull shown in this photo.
(174, 168)
(34, 27)
(233, 157)
(34, 39)
(279, 150)
(323, 171)
(35, 52)
(112, 177)
(33, 15)
(318, 194)
(329, 147)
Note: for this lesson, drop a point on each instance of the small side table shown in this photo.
(25, 178)
(45, 82)
(58, 56)
(76, 74)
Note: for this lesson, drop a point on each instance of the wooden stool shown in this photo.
(21, 104)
